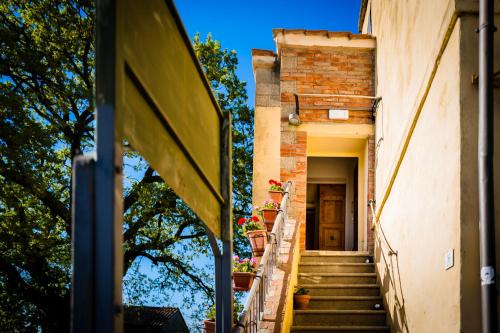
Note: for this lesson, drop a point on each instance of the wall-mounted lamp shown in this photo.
(293, 118)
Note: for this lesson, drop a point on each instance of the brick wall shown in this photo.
(294, 167)
(315, 70)
(343, 71)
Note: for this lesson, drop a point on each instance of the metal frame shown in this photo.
(97, 207)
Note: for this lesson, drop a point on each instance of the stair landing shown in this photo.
(344, 293)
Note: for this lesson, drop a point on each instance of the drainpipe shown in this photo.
(485, 168)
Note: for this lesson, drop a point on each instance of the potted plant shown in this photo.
(301, 298)
(268, 211)
(243, 273)
(256, 233)
(209, 323)
(276, 191)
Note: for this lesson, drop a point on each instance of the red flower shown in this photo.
(241, 221)
(272, 182)
(255, 218)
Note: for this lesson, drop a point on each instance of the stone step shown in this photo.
(340, 317)
(335, 256)
(344, 302)
(342, 289)
(341, 329)
(326, 267)
(333, 278)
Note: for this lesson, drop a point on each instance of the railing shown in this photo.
(253, 310)
(374, 224)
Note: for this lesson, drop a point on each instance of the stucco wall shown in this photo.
(421, 217)
(266, 159)
(470, 284)
(433, 205)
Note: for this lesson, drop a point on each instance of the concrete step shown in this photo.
(339, 317)
(335, 256)
(326, 267)
(342, 289)
(333, 278)
(344, 302)
(341, 329)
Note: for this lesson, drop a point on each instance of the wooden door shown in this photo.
(332, 217)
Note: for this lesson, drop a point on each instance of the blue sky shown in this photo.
(243, 25)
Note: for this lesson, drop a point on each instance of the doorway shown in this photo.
(332, 203)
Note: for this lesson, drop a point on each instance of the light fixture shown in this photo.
(294, 119)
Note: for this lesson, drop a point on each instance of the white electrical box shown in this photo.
(338, 114)
(448, 259)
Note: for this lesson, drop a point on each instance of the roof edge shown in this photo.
(362, 14)
(265, 53)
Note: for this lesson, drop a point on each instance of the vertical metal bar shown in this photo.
(218, 294)
(82, 217)
(485, 168)
(227, 226)
(108, 185)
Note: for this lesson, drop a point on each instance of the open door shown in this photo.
(332, 217)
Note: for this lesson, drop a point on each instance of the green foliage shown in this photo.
(246, 265)
(46, 118)
(301, 291)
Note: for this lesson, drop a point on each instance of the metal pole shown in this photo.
(226, 227)
(485, 168)
(82, 256)
(108, 310)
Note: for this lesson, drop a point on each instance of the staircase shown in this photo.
(344, 291)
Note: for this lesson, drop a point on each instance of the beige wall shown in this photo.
(266, 159)
(421, 217)
(470, 284)
(432, 205)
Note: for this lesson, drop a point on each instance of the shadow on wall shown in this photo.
(390, 282)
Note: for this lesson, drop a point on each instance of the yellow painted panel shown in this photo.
(166, 111)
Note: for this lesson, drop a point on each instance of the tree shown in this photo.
(46, 119)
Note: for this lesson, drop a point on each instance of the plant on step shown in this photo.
(301, 291)
(276, 185)
(250, 224)
(301, 298)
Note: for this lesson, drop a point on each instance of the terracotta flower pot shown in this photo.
(269, 215)
(243, 280)
(301, 302)
(276, 196)
(209, 326)
(258, 241)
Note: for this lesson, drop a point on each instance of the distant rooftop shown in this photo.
(154, 319)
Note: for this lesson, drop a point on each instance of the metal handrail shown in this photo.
(253, 311)
(374, 224)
